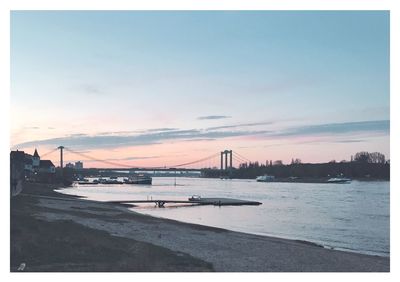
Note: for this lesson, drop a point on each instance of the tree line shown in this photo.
(363, 165)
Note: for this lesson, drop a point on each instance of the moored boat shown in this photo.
(338, 180)
(265, 178)
(138, 179)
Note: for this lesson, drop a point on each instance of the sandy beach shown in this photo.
(55, 232)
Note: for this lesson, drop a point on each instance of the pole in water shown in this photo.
(175, 178)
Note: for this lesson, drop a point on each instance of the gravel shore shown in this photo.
(56, 232)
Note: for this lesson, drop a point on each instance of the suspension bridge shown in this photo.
(224, 161)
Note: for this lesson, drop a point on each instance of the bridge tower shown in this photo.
(61, 155)
(225, 169)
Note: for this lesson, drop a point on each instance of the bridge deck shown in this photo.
(203, 201)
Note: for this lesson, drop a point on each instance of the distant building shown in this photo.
(46, 166)
(30, 168)
(28, 164)
(78, 165)
(35, 159)
(70, 165)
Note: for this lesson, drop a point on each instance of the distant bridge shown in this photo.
(225, 160)
(151, 169)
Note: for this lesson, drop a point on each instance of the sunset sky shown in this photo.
(164, 88)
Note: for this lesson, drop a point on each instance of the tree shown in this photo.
(362, 157)
(278, 162)
(377, 158)
(365, 157)
(296, 161)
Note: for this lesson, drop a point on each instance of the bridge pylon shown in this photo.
(226, 171)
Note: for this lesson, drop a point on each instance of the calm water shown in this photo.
(344, 216)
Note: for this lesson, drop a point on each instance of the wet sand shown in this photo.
(56, 232)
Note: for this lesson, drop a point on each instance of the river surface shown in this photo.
(353, 217)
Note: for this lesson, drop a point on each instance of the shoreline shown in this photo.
(132, 207)
(208, 248)
(127, 206)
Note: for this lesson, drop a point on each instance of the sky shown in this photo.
(155, 88)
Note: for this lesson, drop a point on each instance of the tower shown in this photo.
(61, 155)
(35, 159)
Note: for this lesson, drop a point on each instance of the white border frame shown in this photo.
(8, 5)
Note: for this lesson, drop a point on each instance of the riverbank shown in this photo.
(56, 232)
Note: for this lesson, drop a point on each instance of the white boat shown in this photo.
(338, 180)
(138, 179)
(265, 178)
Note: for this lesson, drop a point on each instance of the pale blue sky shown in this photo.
(99, 72)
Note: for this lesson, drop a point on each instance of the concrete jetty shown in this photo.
(201, 201)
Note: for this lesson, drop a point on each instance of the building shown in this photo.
(46, 172)
(78, 165)
(28, 164)
(46, 166)
(35, 159)
(70, 165)
(30, 167)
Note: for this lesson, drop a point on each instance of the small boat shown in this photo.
(195, 198)
(338, 180)
(138, 179)
(265, 178)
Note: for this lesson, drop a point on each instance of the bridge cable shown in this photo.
(48, 153)
(109, 162)
(194, 162)
(242, 157)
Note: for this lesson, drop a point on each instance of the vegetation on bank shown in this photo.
(363, 165)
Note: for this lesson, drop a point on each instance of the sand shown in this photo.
(202, 248)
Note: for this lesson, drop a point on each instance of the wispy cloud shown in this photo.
(374, 126)
(213, 117)
(162, 135)
(160, 129)
(350, 141)
(200, 139)
(129, 132)
(239, 125)
(110, 141)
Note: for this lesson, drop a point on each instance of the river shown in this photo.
(353, 217)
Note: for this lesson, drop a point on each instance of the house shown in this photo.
(31, 168)
(46, 166)
(28, 164)
(46, 172)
